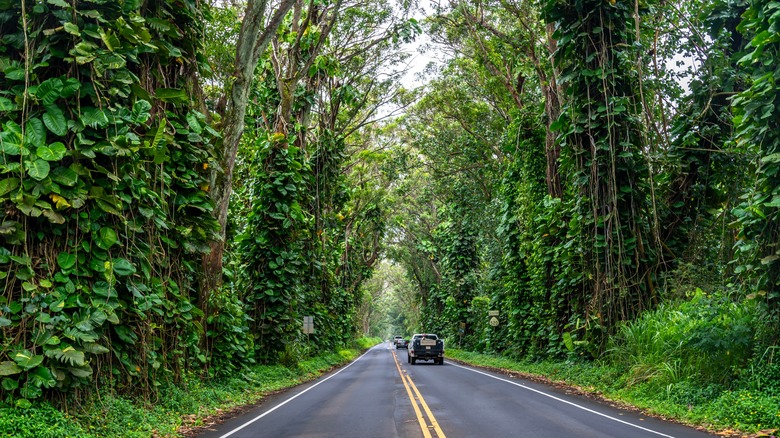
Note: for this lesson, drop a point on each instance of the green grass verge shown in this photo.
(175, 407)
(739, 408)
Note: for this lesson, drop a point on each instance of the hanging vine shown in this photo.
(105, 203)
(601, 134)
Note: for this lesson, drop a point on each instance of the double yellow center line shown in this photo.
(417, 401)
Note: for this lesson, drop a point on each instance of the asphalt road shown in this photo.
(379, 396)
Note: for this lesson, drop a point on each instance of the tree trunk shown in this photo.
(252, 42)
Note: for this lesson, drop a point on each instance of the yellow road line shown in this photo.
(434, 423)
(423, 425)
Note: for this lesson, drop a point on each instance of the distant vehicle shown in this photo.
(425, 346)
(396, 338)
(401, 343)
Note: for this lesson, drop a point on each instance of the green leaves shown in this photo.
(68, 355)
(61, 3)
(49, 91)
(52, 152)
(87, 202)
(93, 117)
(72, 29)
(42, 377)
(141, 111)
(6, 104)
(9, 368)
(35, 133)
(66, 261)
(172, 95)
(122, 267)
(8, 185)
(37, 169)
(106, 238)
(54, 119)
(27, 360)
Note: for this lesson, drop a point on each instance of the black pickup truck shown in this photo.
(426, 347)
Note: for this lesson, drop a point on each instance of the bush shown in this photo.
(40, 421)
(230, 340)
(706, 338)
(365, 343)
(745, 410)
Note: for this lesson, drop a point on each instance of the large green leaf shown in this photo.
(126, 334)
(49, 90)
(52, 152)
(14, 73)
(27, 360)
(54, 119)
(6, 104)
(193, 123)
(66, 260)
(8, 368)
(30, 391)
(64, 176)
(107, 238)
(35, 132)
(141, 111)
(61, 3)
(42, 376)
(38, 169)
(54, 217)
(172, 95)
(108, 207)
(68, 355)
(104, 290)
(93, 117)
(10, 144)
(10, 384)
(95, 348)
(81, 371)
(90, 321)
(8, 185)
(123, 267)
(72, 29)
(71, 86)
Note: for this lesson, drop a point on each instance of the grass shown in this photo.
(176, 408)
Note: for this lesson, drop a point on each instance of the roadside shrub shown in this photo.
(706, 338)
(231, 345)
(364, 343)
(746, 410)
(41, 421)
(763, 374)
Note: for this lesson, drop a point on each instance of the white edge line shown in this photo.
(293, 397)
(564, 401)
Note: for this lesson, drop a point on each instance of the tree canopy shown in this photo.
(184, 181)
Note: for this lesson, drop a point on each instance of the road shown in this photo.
(381, 396)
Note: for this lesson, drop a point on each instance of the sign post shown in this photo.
(493, 314)
(308, 324)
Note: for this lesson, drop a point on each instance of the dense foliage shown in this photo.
(110, 150)
(644, 233)
(646, 197)
(104, 191)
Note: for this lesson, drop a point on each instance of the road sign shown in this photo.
(494, 321)
(308, 324)
(492, 312)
